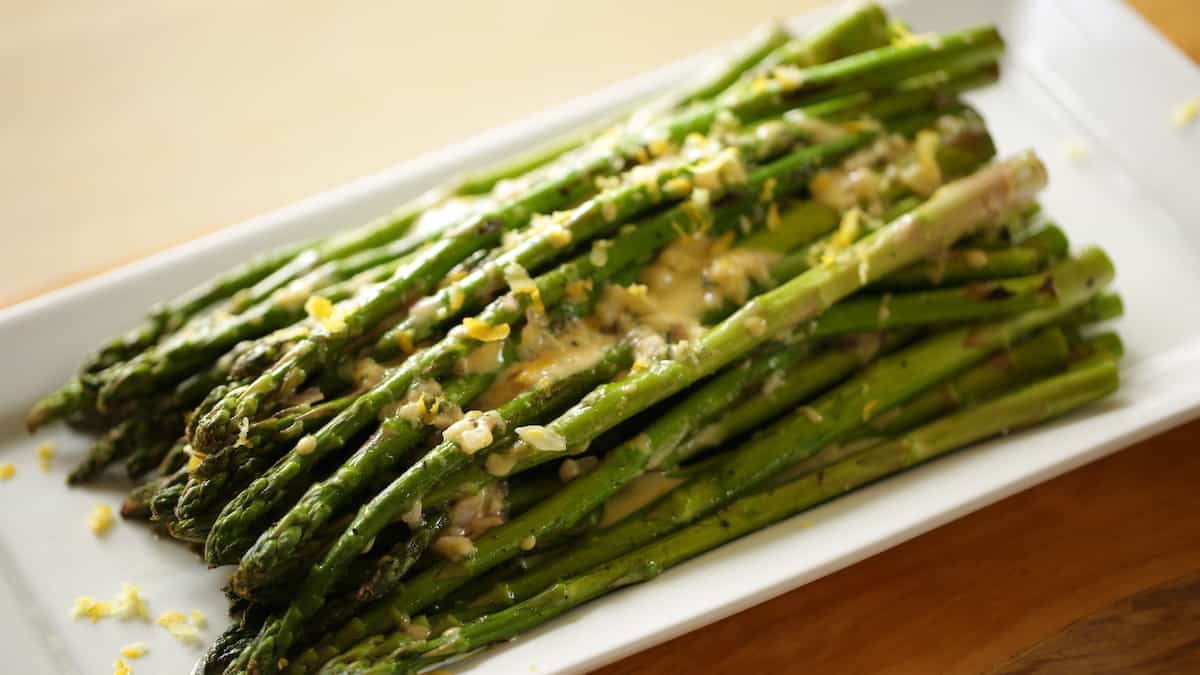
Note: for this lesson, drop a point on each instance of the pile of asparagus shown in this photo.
(801, 273)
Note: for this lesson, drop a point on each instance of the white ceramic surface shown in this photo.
(1086, 70)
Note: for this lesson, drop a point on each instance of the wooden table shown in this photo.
(131, 126)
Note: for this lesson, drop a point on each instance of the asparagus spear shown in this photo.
(856, 31)
(952, 212)
(875, 68)
(247, 509)
(836, 415)
(963, 265)
(1037, 356)
(1031, 405)
(788, 389)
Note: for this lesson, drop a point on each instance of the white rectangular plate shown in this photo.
(1080, 69)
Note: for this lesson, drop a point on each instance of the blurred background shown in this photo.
(131, 126)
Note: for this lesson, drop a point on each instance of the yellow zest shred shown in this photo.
(478, 330)
(101, 519)
(194, 460)
(773, 221)
(121, 668)
(868, 409)
(45, 452)
(199, 620)
(768, 191)
(405, 340)
(325, 312)
(134, 650)
(7, 471)
(847, 233)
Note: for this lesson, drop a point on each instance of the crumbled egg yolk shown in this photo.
(45, 452)
(135, 650)
(101, 519)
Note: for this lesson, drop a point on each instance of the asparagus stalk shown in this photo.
(856, 31)
(246, 510)
(878, 67)
(1040, 354)
(952, 212)
(963, 265)
(1031, 405)
(835, 416)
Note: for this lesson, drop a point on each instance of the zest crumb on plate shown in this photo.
(1185, 113)
(7, 471)
(130, 604)
(179, 628)
(135, 650)
(121, 668)
(1075, 150)
(101, 519)
(45, 452)
(88, 607)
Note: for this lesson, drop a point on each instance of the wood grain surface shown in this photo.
(133, 125)
(1155, 631)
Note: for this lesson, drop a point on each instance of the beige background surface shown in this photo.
(127, 127)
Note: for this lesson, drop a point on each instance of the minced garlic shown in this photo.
(473, 432)
(454, 547)
(598, 256)
(101, 519)
(976, 258)
(306, 445)
(541, 438)
(812, 414)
